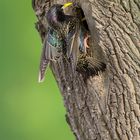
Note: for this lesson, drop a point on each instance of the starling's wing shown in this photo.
(51, 52)
(56, 43)
(44, 63)
(73, 41)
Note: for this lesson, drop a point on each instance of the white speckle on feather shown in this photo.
(68, 88)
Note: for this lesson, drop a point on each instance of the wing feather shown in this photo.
(45, 60)
(73, 41)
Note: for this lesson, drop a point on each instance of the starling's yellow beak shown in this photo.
(67, 5)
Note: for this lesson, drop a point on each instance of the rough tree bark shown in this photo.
(107, 107)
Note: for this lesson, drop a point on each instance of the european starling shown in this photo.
(52, 50)
(62, 31)
(66, 25)
(88, 64)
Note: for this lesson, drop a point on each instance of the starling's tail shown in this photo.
(90, 66)
(43, 67)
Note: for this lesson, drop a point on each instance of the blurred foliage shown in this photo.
(28, 110)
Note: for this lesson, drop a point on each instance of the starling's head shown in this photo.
(56, 14)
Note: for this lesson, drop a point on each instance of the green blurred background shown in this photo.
(28, 110)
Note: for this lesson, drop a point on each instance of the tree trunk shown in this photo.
(107, 106)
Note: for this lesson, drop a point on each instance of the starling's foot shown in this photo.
(86, 40)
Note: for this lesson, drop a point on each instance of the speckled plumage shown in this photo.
(61, 31)
(87, 64)
(52, 47)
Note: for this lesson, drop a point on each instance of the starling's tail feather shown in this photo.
(45, 59)
(43, 67)
(90, 66)
(95, 65)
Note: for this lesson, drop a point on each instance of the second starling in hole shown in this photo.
(88, 65)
